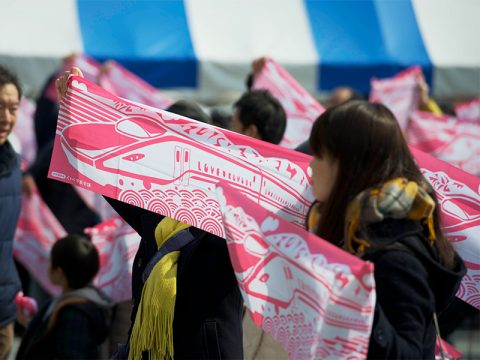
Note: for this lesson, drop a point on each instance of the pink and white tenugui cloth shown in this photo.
(170, 164)
(459, 196)
(115, 240)
(301, 108)
(37, 230)
(469, 110)
(123, 83)
(117, 244)
(24, 130)
(89, 66)
(399, 93)
(315, 299)
(447, 138)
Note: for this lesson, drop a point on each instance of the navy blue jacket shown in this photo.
(10, 199)
(411, 285)
(77, 333)
(209, 306)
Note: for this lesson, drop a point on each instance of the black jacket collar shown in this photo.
(410, 236)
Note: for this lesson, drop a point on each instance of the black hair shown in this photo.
(8, 77)
(221, 117)
(261, 109)
(366, 140)
(77, 257)
(190, 110)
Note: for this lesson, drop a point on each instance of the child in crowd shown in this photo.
(74, 324)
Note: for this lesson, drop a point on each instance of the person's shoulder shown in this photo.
(86, 310)
(83, 315)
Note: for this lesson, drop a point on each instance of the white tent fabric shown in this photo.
(208, 45)
(450, 31)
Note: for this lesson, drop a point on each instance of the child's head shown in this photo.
(74, 262)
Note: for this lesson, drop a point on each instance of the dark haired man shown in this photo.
(259, 115)
(10, 197)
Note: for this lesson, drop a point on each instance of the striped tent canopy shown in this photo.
(209, 44)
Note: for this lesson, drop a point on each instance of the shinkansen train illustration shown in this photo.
(128, 154)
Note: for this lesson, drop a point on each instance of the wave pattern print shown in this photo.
(322, 311)
(110, 146)
(137, 154)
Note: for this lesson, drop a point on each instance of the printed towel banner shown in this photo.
(115, 240)
(447, 138)
(314, 298)
(301, 108)
(90, 68)
(117, 244)
(24, 130)
(123, 83)
(459, 196)
(170, 164)
(399, 93)
(37, 230)
(469, 110)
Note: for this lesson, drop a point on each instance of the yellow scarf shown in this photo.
(397, 199)
(153, 328)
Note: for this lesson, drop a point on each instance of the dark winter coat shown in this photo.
(10, 200)
(73, 327)
(45, 117)
(61, 198)
(411, 285)
(208, 309)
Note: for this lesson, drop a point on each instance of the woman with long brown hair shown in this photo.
(374, 202)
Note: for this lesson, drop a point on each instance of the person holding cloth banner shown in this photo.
(186, 300)
(374, 202)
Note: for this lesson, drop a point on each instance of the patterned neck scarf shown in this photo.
(396, 199)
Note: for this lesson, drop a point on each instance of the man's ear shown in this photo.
(252, 131)
(55, 275)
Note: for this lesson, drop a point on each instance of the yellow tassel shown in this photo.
(153, 327)
(152, 330)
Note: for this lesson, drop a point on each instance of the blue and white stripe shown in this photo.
(209, 44)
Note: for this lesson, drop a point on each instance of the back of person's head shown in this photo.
(343, 94)
(366, 141)
(77, 257)
(190, 110)
(8, 77)
(221, 117)
(261, 109)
